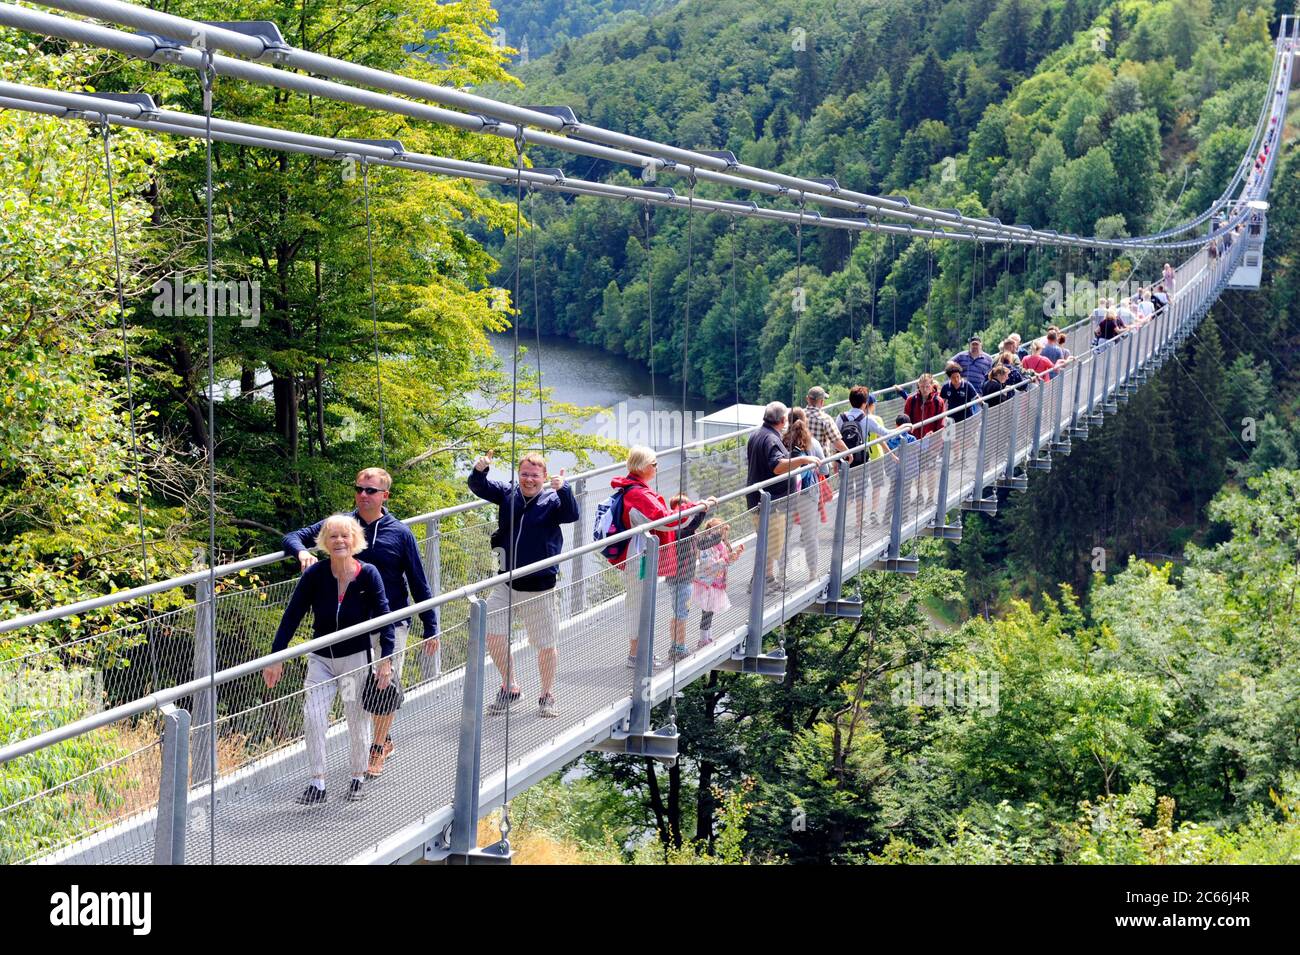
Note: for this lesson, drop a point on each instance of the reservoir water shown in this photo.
(637, 409)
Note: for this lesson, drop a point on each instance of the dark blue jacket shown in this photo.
(318, 590)
(392, 548)
(535, 534)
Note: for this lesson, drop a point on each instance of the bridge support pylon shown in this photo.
(893, 561)
(459, 845)
(833, 603)
(635, 736)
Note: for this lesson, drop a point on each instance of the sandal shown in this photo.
(376, 767)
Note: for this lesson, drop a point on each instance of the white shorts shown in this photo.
(538, 611)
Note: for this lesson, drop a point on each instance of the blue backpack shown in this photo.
(608, 522)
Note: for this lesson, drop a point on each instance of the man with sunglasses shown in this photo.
(391, 547)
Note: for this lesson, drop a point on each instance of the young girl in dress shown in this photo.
(709, 589)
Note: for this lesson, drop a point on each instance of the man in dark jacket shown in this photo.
(529, 515)
(957, 394)
(391, 547)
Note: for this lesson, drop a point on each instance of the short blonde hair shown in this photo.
(639, 458)
(533, 457)
(376, 474)
(342, 520)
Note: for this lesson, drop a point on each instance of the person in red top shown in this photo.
(1035, 361)
(642, 505)
(923, 404)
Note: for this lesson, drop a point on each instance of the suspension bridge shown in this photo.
(201, 763)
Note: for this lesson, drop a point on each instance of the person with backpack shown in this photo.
(529, 514)
(637, 505)
(858, 426)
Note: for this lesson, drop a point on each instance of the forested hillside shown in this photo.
(1081, 116)
(545, 25)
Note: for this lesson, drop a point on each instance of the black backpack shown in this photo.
(851, 433)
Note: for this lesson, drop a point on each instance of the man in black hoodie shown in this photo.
(529, 515)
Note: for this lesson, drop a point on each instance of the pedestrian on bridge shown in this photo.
(768, 457)
(823, 428)
(924, 410)
(974, 365)
(642, 505)
(340, 594)
(807, 504)
(391, 547)
(529, 514)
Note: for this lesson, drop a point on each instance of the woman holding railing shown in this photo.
(341, 593)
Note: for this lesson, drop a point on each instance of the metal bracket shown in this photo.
(499, 853)
(770, 665)
(660, 744)
(394, 144)
(985, 505)
(898, 565)
(438, 851)
(1041, 463)
(948, 532)
(564, 114)
(846, 609)
(1012, 483)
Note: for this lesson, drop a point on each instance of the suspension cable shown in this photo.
(650, 317)
(684, 463)
(504, 825)
(374, 309)
(208, 72)
(537, 319)
(130, 394)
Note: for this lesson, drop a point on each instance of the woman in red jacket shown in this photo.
(920, 406)
(642, 505)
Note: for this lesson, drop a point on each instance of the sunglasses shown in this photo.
(368, 490)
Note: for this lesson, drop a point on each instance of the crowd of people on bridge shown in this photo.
(375, 567)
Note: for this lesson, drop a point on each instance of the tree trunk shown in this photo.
(285, 391)
(247, 379)
(675, 803)
(704, 806)
(657, 802)
(194, 406)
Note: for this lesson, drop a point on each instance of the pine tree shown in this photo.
(924, 92)
(1069, 22)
